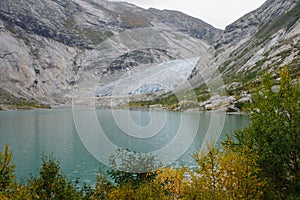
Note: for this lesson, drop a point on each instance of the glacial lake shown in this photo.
(82, 140)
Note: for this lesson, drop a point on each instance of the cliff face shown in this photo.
(248, 25)
(48, 48)
(52, 50)
(265, 39)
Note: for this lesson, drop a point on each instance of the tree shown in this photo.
(132, 175)
(172, 181)
(237, 174)
(223, 174)
(7, 176)
(103, 187)
(274, 136)
(51, 183)
(132, 167)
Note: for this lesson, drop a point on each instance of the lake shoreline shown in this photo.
(70, 107)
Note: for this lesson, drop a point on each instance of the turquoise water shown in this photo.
(69, 136)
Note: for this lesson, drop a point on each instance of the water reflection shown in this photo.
(32, 133)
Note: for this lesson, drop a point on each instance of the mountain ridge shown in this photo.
(49, 50)
(269, 45)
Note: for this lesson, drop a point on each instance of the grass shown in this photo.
(172, 101)
(12, 102)
(24, 38)
(95, 36)
(285, 54)
(134, 21)
(11, 29)
(18, 33)
(294, 68)
(69, 24)
(166, 101)
(286, 21)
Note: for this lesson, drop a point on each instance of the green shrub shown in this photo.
(274, 136)
(7, 176)
(51, 183)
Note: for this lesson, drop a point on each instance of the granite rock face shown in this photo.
(248, 25)
(264, 39)
(49, 49)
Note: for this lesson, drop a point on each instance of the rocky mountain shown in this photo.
(266, 39)
(52, 51)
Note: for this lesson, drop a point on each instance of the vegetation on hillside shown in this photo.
(261, 161)
(271, 58)
(11, 102)
(175, 101)
(274, 136)
(286, 21)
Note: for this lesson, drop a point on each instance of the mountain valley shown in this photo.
(87, 51)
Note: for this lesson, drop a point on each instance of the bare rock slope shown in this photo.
(49, 49)
(266, 39)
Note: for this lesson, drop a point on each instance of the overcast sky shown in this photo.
(218, 13)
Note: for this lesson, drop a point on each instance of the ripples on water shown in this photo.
(34, 133)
